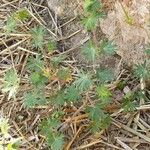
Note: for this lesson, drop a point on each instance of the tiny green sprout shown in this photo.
(104, 75)
(22, 15)
(64, 74)
(83, 81)
(89, 51)
(35, 64)
(142, 70)
(7, 142)
(103, 94)
(11, 83)
(10, 25)
(93, 12)
(121, 84)
(72, 94)
(4, 127)
(128, 19)
(92, 5)
(33, 98)
(55, 140)
(51, 46)
(128, 102)
(38, 36)
(37, 79)
(56, 60)
(99, 120)
(90, 22)
(107, 47)
(147, 50)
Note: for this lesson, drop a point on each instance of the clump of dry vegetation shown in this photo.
(74, 74)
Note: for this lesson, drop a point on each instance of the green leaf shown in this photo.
(104, 75)
(37, 79)
(51, 46)
(142, 71)
(103, 94)
(94, 112)
(22, 15)
(48, 126)
(35, 64)
(58, 143)
(4, 126)
(53, 137)
(90, 22)
(128, 102)
(83, 82)
(92, 5)
(147, 51)
(38, 37)
(57, 60)
(99, 120)
(63, 74)
(58, 99)
(11, 83)
(10, 25)
(72, 94)
(121, 84)
(108, 48)
(128, 105)
(89, 51)
(33, 98)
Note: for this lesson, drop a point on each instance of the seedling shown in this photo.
(83, 81)
(38, 36)
(11, 83)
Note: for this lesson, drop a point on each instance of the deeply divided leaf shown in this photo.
(83, 81)
(89, 52)
(104, 75)
(11, 83)
(38, 36)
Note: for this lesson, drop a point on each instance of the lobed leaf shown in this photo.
(89, 51)
(38, 36)
(104, 75)
(11, 83)
(83, 82)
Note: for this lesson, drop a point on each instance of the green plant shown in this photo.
(35, 63)
(56, 60)
(103, 94)
(11, 83)
(7, 142)
(92, 5)
(10, 25)
(129, 103)
(22, 15)
(34, 98)
(68, 95)
(38, 33)
(51, 46)
(92, 11)
(90, 21)
(64, 74)
(104, 75)
(83, 81)
(142, 70)
(13, 20)
(53, 137)
(99, 120)
(89, 51)
(147, 51)
(72, 94)
(107, 47)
